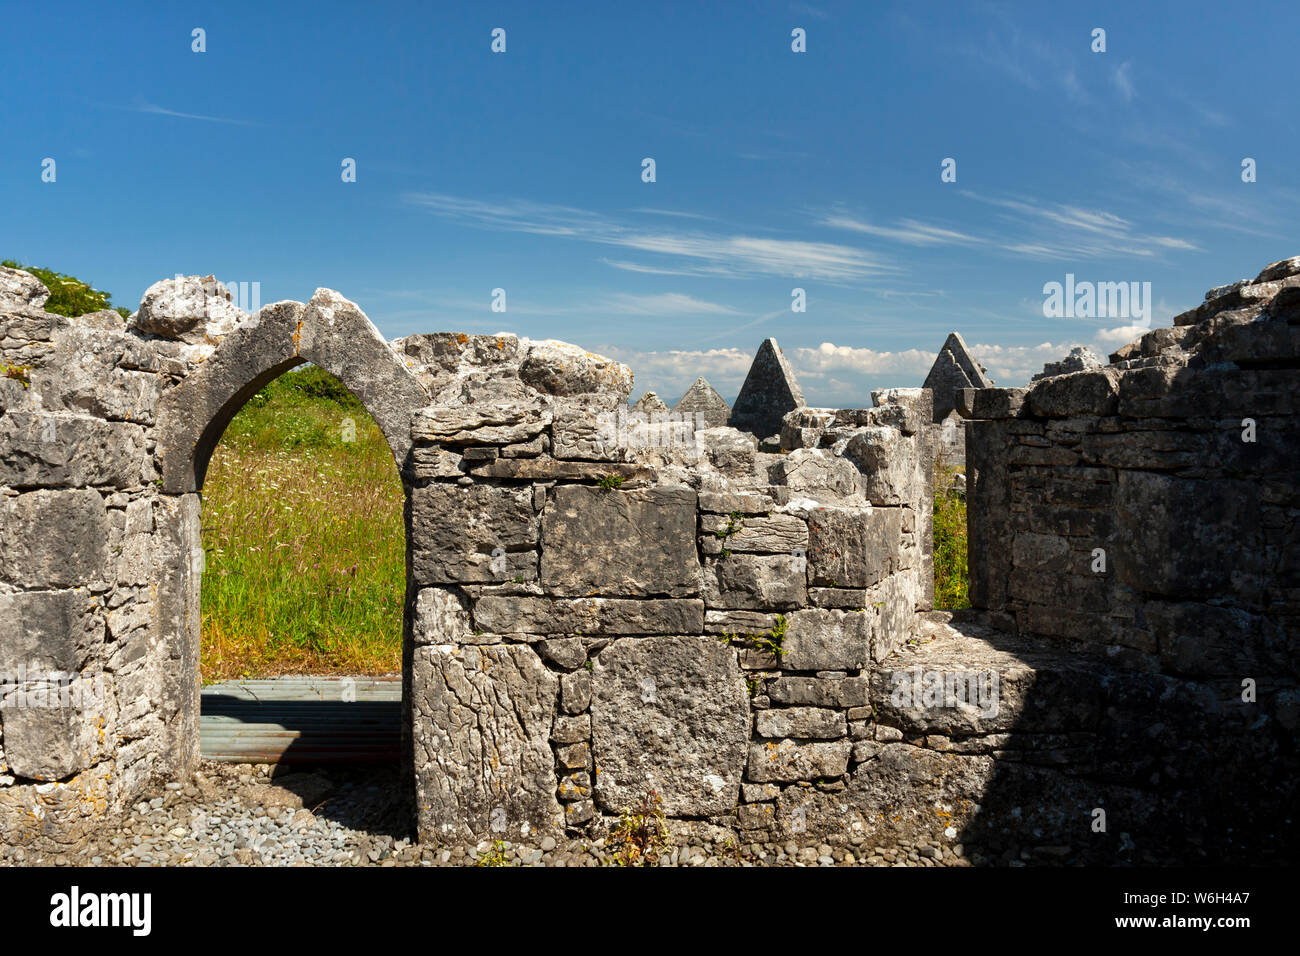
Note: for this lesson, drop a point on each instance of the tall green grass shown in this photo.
(304, 538)
(951, 573)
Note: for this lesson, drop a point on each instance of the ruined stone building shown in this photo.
(601, 604)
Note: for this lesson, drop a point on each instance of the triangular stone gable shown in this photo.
(701, 399)
(650, 402)
(954, 368)
(769, 392)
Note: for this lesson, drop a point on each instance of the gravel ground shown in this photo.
(239, 814)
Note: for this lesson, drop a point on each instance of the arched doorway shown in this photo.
(328, 332)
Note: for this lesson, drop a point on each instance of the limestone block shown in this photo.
(787, 761)
(55, 539)
(481, 733)
(439, 618)
(478, 533)
(53, 630)
(852, 547)
(805, 723)
(56, 726)
(669, 714)
(775, 534)
(818, 639)
(59, 450)
(756, 581)
(889, 464)
(817, 474)
(599, 541)
(501, 614)
(558, 368)
(1090, 393)
(494, 423)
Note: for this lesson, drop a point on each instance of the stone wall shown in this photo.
(1144, 516)
(611, 604)
(600, 603)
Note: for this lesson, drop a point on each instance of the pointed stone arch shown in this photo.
(329, 331)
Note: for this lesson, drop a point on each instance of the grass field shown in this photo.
(951, 576)
(304, 540)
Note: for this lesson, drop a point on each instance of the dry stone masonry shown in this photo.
(607, 603)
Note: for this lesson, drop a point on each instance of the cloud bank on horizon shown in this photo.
(900, 177)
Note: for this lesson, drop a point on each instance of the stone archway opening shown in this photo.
(302, 592)
(333, 337)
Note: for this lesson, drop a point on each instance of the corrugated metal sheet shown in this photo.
(302, 720)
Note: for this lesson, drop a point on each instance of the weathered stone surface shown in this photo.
(598, 541)
(852, 548)
(21, 291)
(888, 462)
(776, 534)
(725, 503)
(1080, 359)
(571, 730)
(48, 630)
(173, 307)
(431, 463)
(558, 368)
(565, 653)
(499, 423)
(482, 741)
(702, 401)
(543, 615)
(1166, 545)
(55, 726)
(476, 533)
(439, 618)
(650, 402)
(818, 474)
(954, 369)
(819, 691)
(991, 402)
(730, 451)
(587, 429)
(769, 392)
(738, 622)
(550, 469)
(817, 639)
(55, 539)
(1081, 393)
(773, 581)
(807, 723)
(575, 692)
(59, 450)
(787, 761)
(672, 715)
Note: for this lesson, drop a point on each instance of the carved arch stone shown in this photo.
(329, 331)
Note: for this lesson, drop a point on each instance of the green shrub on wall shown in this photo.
(69, 295)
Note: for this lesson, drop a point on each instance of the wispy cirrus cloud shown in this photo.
(666, 303)
(1035, 230)
(696, 253)
(908, 231)
(143, 107)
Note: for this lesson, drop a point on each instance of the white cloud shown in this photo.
(667, 303)
(909, 231)
(1122, 81)
(689, 253)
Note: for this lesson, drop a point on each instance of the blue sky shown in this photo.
(774, 169)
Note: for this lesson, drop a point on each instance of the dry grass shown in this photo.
(304, 539)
